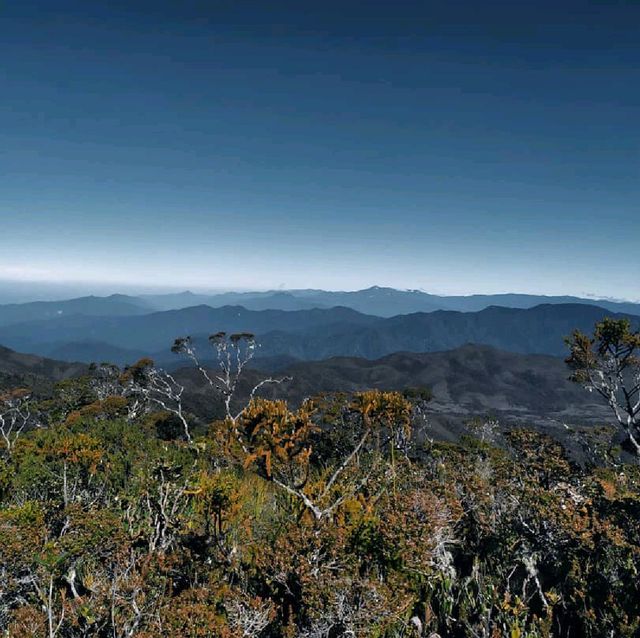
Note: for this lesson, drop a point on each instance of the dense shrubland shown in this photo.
(341, 518)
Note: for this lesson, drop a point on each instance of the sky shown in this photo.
(455, 147)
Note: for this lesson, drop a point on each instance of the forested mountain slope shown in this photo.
(304, 334)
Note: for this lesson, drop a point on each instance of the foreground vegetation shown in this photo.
(120, 517)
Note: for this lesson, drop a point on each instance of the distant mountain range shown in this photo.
(155, 332)
(377, 301)
(538, 330)
(481, 355)
(298, 325)
(112, 306)
(303, 334)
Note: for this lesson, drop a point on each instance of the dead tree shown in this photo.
(15, 415)
(145, 385)
(233, 353)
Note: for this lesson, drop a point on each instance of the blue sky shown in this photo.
(451, 146)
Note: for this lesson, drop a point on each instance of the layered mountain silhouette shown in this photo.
(383, 302)
(112, 306)
(304, 334)
(378, 301)
(155, 332)
(538, 330)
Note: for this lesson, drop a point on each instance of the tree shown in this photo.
(608, 363)
(233, 353)
(144, 385)
(279, 444)
(15, 415)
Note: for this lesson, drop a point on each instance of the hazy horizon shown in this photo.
(21, 291)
